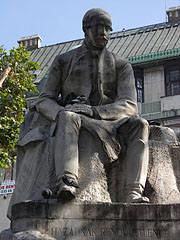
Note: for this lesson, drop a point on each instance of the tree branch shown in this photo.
(4, 74)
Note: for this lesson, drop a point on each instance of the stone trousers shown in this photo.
(133, 136)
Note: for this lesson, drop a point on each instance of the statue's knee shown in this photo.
(140, 122)
(67, 116)
(143, 122)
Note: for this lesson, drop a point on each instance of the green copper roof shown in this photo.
(155, 56)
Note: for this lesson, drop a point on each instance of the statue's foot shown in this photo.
(70, 181)
(133, 194)
(66, 193)
(67, 188)
(136, 199)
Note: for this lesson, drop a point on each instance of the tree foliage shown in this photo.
(13, 99)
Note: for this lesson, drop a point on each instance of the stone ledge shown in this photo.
(50, 209)
(105, 221)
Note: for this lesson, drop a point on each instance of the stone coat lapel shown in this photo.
(107, 76)
(77, 77)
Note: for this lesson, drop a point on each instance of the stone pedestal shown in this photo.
(98, 211)
(102, 221)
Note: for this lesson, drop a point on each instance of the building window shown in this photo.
(172, 78)
(139, 81)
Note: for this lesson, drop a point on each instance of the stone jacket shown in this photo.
(74, 71)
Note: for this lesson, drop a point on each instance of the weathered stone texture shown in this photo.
(162, 182)
(103, 221)
(92, 175)
(100, 181)
(105, 183)
(26, 235)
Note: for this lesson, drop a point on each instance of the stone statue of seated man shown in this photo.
(91, 88)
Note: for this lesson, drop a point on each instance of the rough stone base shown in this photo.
(103, 221)
(25, 235)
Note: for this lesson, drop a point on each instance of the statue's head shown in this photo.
(97, 25)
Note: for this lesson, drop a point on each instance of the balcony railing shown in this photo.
(152, 107)
(167, 107)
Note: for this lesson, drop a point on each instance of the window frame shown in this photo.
(139, 74)
(169, 68)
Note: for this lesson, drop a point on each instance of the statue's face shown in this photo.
(98, 33)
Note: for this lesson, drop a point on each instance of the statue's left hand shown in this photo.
(80, 108)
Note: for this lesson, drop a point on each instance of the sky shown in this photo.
(60, 20)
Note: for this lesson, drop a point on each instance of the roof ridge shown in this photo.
(152, 26)
(123, 31)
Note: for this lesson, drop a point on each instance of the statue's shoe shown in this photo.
(136, 199)
(133, 194)
(70, 181)
(66, 193)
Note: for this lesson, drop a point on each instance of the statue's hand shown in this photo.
(80, 108)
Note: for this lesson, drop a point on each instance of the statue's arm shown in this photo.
(47, 103)
(125, 104)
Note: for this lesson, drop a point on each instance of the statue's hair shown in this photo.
(95, 13)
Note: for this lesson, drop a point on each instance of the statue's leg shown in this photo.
(66, 154)
(135, 132)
